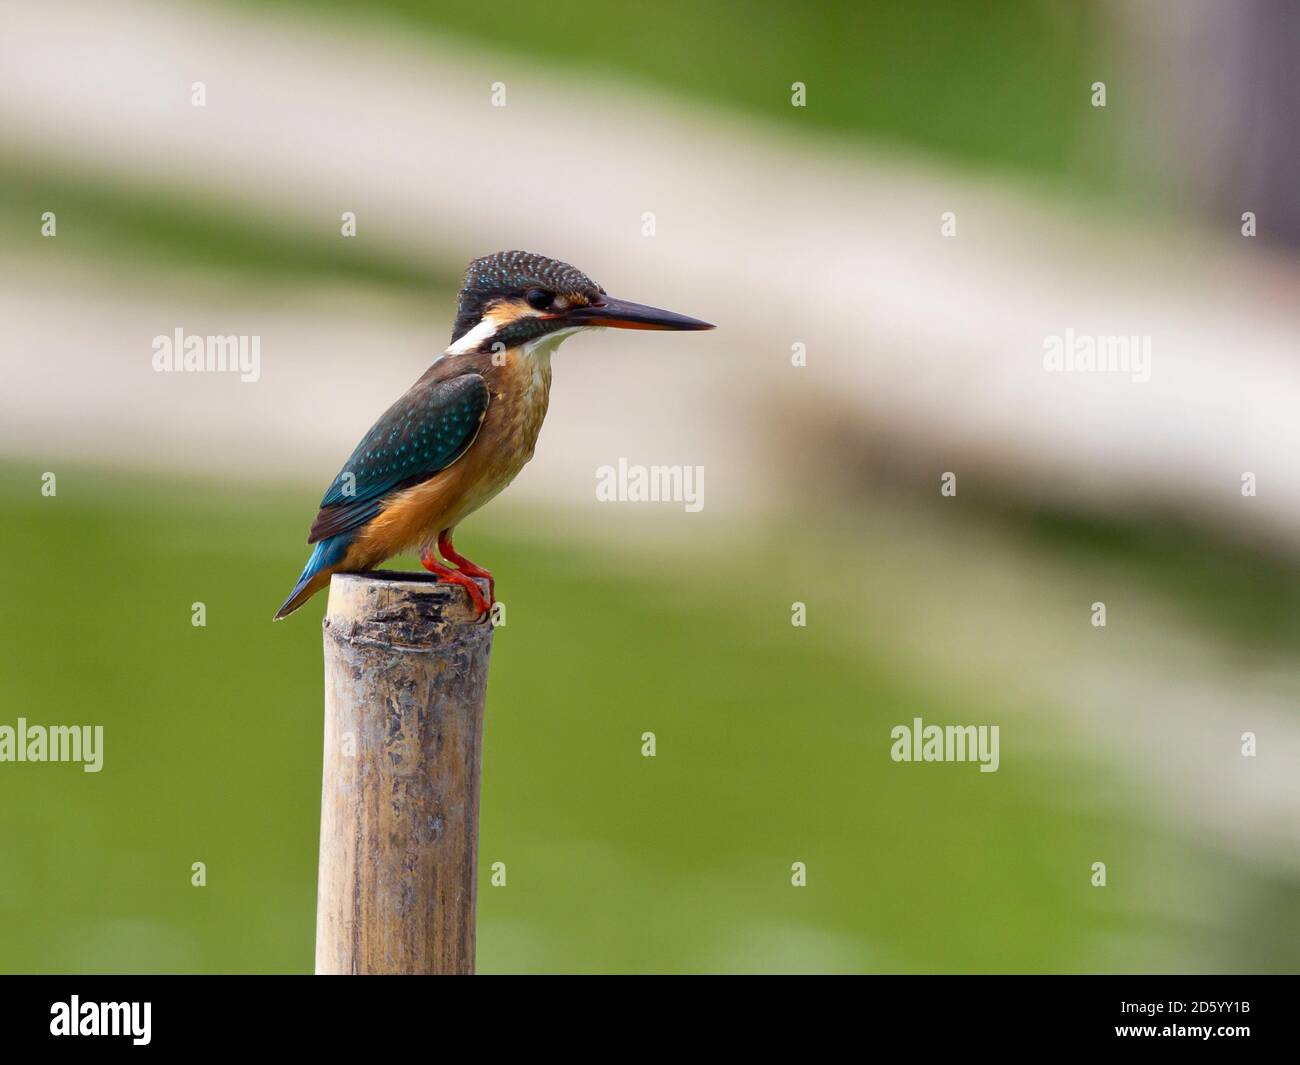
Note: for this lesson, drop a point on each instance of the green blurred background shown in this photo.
(1119, 745)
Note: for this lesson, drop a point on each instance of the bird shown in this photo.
(466, 428)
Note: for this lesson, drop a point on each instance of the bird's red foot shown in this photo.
(430, 562)
(466, 567)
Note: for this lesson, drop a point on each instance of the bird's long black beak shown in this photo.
(622, 314)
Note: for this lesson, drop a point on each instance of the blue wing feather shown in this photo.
(420, 435)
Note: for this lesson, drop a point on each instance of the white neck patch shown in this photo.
(471, 340)
(541, 348)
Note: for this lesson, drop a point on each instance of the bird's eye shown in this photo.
(538, 299)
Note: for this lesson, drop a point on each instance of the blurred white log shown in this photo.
(781, 239)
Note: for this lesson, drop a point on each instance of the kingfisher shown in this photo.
(466, 428)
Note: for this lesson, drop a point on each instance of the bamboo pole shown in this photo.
(406, 667)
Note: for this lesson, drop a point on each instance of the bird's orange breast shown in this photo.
(519, 393)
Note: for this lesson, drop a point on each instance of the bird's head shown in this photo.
(514, 297)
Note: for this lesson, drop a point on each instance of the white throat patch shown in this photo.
(543, 348)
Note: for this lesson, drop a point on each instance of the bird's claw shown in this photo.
(465, 578)
(482, 605)
(469, 570)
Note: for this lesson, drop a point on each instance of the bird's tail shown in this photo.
(316, 574)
